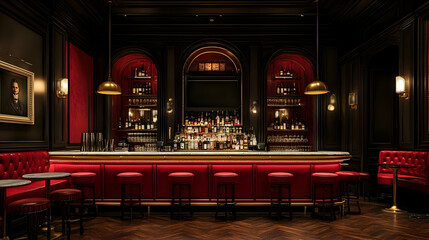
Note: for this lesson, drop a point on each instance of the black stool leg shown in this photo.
(332, 202)
(348, 197)
(63, 218)
(226, 200)
(189, 200)
(48, 218)
(271, 200)
(279, 201)
(68, 220)
(290, 201)
(233, 201)
(131, 201)
(180, 201)
(217, 199)
(173, 186)
(140, 200)
(81, 216)
(122, 200)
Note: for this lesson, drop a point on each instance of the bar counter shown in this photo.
(252, 168)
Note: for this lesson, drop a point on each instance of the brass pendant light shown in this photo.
(316, 87)
(109, 87)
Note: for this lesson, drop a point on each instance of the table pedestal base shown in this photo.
(394, 209)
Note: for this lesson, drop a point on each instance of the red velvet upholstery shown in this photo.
(280, 178)
(181, 178)
(413, 178)
(29, 205)
(83, 178)
(129, 177)
(348, 176)
(66, 194)
(364, 175)
(226, 178)
(324, 178)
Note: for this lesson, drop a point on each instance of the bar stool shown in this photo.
(180, 180)
(225, 179)
(364, 179)
(84, 180)
(280, 180)
(31, 207)
(65, 197)
(347, 178)
(322, 180)
(130, 179)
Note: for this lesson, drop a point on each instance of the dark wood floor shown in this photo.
(373, 223)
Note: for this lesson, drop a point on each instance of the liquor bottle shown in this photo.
(222, 121)
(205, 144)
(135, 72)
(175, 143)
(134, 90)
(288, 73)
(294, 89)
(200, 144)
(148, 125)
(149, 88)
(278, 89)
(182, 143)
(282, 71)
(281, 89)
(217, 118)
(120, 123)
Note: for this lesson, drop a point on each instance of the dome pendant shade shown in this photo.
(109, 87)
(316, 88)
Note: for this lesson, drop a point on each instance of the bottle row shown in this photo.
(140, 72)
(286, 89)
(144, 88)
(289, 125)
(296, 148)
(140, 124)
(142, 101)
(283, 101)
(209, 119)
(214, 142)
(286, 73)
(142, 137)
(212, 129)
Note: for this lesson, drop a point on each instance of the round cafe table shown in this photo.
(4, 185)
(47, 176)
(395, 167)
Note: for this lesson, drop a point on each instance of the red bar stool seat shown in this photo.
(323, 180)
(180, 180)
(280, 180)
(347, 178)
(65, 197)
(225, 180)
(31, 207)
(130, 179)
(84, 180)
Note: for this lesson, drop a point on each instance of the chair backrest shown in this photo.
(14, 165)
(417, 159)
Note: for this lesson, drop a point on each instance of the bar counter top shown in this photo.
(199, 153)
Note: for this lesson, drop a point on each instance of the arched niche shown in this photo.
(124, 73)
(212, 81)
(287, 105)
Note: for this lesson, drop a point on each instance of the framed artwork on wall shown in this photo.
(16, 94)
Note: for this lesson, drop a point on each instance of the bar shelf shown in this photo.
(145, 78)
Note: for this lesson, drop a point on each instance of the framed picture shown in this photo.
(222, 67)
(16, 94)
(201, 67)
(215, 66)
(208, 67)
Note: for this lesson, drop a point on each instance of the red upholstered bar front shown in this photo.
(112, 189)
(301, 183)
(200, 185)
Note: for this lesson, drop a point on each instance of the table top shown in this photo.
(46, 175)
(396, 165)
(7, 183)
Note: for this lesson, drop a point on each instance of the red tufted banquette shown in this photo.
(14, 165)
(412, 178)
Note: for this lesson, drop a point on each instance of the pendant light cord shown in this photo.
(110, 40)
(317, 39)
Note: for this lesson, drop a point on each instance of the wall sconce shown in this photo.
(254, 107)
(353, 101)
(400, 87)
(63, 88)
(170, 105)
(332, 103)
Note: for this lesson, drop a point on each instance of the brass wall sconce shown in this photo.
(401, 87)
(254, 107)
(63, 88)
(332, 103)
(353, 100)
(170, 105)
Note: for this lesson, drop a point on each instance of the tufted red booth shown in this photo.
(412, 178)
(14, 165)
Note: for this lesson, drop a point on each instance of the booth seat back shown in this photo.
(14, 165)
(417, 159)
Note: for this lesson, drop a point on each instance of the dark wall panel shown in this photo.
(22, 42)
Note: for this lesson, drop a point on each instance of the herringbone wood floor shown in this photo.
(371, 224)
